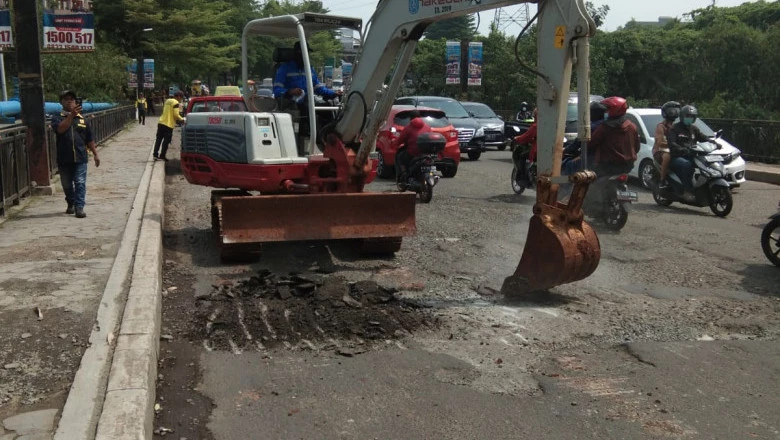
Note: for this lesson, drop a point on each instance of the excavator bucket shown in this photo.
(243, 222)
(561, 247)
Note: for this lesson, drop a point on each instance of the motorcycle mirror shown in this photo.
(718, 133)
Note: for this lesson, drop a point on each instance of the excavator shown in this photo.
(280, 182)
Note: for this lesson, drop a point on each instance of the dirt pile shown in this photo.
(309, 311)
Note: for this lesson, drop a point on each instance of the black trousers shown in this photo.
(164, 136)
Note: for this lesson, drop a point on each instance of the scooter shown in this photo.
(523, 171)
(710, 187)
(770, 238)
(421, 175)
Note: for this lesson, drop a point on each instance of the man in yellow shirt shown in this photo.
(140, 104)
(169, 118)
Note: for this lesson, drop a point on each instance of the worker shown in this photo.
(290, 80)
(169, 118)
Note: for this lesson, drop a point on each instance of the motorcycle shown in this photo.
(710, 187)
(770, 238)
(608, 198)
(421, 175)
(523, 171)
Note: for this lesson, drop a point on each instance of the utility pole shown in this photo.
(464, 70)
(28, 54)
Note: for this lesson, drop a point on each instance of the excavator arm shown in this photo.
(563, 30)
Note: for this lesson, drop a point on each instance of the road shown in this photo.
(674, 335)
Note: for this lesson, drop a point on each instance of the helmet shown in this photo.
(597, 111)
(671, 110)
(616, 106)
(524, 106)
(688, 114)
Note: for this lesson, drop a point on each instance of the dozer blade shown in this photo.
(375, 216)
(561, 247)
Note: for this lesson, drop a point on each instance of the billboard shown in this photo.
(68, 25)
(6, 37)
(452, 62)
(475, 63)
(132, 74)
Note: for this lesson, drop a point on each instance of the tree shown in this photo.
(458, 28)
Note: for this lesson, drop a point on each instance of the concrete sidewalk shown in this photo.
(80, 302)
(85, 366)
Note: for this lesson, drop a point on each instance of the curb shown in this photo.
(762, 176)
(83, 405)
(128, 410)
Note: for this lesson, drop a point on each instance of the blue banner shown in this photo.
(132, 74)
(475, 63)
(70, 29)
(346, 69)
(148, 73)
(453, 62)
(6, 38)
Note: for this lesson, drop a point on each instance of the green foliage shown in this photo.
(458, 28)
(98, 76)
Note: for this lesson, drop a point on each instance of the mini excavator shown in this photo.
(280, 176)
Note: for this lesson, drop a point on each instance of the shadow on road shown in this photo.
(761, 279)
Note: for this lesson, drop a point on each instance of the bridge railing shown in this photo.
(15, 182)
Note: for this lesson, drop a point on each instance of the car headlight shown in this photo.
(480, 132)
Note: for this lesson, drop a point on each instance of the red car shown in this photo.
(387, 139)
(223, 103)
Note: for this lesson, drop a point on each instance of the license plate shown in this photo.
(713, 158)
(627, 196)
(464, 145)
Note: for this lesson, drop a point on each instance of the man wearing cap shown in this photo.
(74, 138)
(168, 119)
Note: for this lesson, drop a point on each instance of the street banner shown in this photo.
(68, 26)
(328, 73)
(475, 63)
(132, 74)
(148, 73)
(6, 38)
(346, 69)
(453, 62)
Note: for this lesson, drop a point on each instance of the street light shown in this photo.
(140, 67)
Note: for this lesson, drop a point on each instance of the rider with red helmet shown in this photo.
(615, 143)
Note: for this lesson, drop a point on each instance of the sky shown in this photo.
(620, 11)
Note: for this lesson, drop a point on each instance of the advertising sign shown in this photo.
(68, 26)
(132, 74)
(475, 63)
(328, 73)
(346, 69)
(6, 38)
(148, 73)
(452, 62)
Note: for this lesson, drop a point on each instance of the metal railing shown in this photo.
(759, 141)
(15, 181)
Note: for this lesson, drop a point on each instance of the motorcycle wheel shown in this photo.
(516, 186)
(400, 181)
(770, 241)
(615, 215)
(721, 201)
(426, 191)
(659, 198)
(648, 175)
(382, 169)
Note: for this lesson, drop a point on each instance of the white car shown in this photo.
(646, 119)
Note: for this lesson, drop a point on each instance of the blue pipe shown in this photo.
(14, 108)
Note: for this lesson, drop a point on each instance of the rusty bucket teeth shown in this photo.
(560, 247)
